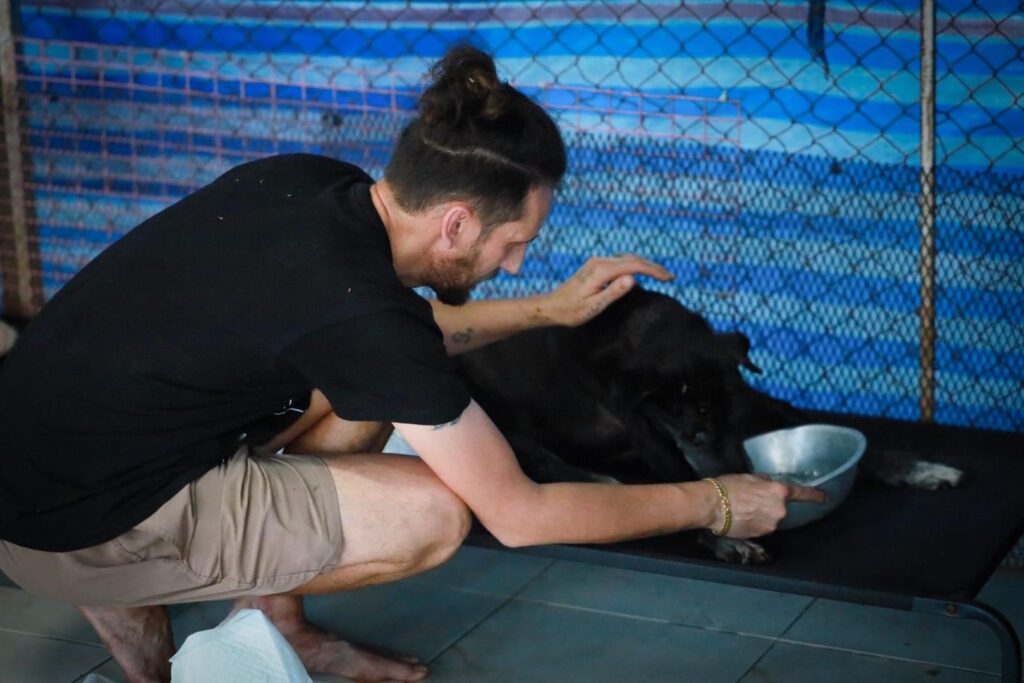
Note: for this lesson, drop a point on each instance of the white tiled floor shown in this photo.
(503, 617)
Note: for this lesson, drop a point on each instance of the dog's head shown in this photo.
(665, 363)
(690, 399)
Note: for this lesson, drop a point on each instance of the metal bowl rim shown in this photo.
(862, 443)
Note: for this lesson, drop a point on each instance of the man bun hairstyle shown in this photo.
(476, 139)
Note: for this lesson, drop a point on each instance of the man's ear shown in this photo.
(459, 226)
(735, 347)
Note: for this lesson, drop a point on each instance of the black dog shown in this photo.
(646, 392)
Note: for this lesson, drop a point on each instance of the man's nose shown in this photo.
(514, 261)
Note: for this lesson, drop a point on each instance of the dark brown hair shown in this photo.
(477, 139)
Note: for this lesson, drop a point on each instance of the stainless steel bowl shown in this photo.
(819, 455)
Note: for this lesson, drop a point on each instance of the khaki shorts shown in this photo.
(251, 526)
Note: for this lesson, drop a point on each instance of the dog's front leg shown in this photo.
(733, 550)
(894, 468)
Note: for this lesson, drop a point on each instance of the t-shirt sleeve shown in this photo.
(388, 366)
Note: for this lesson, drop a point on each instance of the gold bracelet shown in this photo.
(724, 498)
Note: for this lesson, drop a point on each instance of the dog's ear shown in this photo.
(623, 391)
(736, 347)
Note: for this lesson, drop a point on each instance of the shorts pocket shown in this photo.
(167, 533)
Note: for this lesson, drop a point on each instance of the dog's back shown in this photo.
(538, 387)
(647, 391)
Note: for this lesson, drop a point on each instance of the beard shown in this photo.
(453, 279)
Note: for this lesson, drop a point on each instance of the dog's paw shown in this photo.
(931, 476)
(737, 551)
(895, 468)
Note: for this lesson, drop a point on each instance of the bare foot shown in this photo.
(139, 638)
(320, 652)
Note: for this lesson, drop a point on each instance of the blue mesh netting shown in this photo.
(776, 173)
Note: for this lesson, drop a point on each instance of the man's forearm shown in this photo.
(606, 513)
(598, 283)
(478, 323)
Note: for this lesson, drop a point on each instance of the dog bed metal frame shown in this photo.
(918, 551)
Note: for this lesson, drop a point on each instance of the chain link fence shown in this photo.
(769, 153)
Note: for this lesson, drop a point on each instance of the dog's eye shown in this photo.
(682, 389)
(703, 408)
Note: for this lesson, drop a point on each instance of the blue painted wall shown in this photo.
(795, 220)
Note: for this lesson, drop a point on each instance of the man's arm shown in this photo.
(598, 283)
(473, 459)
(478, 323)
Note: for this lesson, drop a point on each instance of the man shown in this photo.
(141, 413)
(8, 335)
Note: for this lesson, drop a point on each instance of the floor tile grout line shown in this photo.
(652, 620)
(45, 636)
(506, 600)
(93, 670)
(640, 617)
(807, 608)
(595, 610)
(753, 665)
(455, 641)
(879, 655)
(495, 593)
(783, 639)
(760, 636)
(775, 640)
(459, 589)
(536, 577)
(420, 580)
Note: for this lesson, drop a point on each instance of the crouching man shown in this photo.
(142, 412)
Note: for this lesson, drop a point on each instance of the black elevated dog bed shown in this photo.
(921, 551)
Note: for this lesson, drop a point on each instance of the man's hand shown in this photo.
(758, 504)
(597, 284)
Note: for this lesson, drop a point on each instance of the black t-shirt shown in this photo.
(149, 367)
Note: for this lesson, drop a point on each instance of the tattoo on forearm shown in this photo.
(448, 424)
(463, 337)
